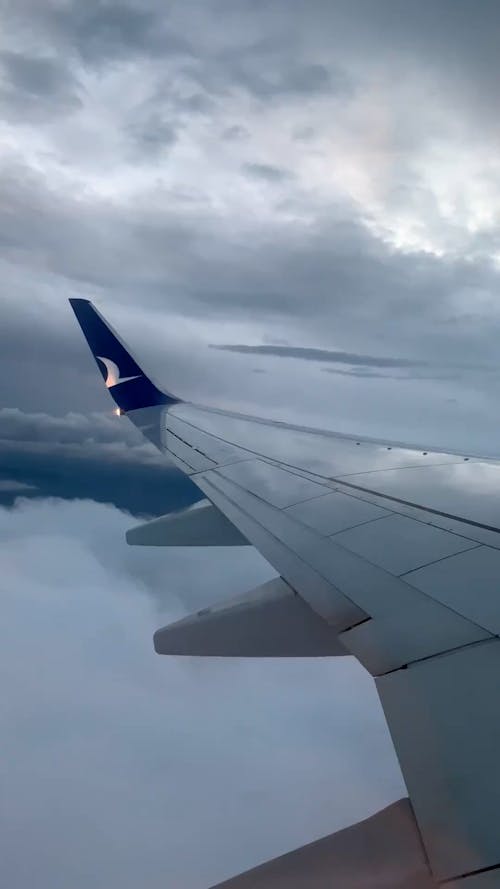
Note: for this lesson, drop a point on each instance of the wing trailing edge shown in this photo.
(383, 851)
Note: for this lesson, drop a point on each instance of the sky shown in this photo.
(288, 208)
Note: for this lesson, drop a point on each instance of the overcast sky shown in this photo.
(288, 207)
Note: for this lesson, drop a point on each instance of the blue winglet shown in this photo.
(128, 385)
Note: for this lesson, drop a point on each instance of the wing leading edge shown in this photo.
(392, 551)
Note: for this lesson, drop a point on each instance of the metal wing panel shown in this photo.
(325, 453)
(467, 490)
(488, 880)
(209, 445)
(308, 582)
(276, 486)
(451, 488)
(400, 544)
(187, 453)
(336, 512)
(468, 582)
(406, 635)
(384, 643)
(384, 851)
(445, 722)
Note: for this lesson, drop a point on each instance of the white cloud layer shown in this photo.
(120, 768)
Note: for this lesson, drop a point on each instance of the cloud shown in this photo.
(365, 373)
(267, 172)
(270, 74)
(36, 88)
(323, 355)
(72, 428)
(235, 132)
(370, 248)
(102, 32)
(113, 755)
(154, 134)
(92, 456)
(15, 487)
(37, 75)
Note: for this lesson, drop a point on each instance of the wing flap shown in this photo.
(270, 621)
(383, 851)
(199, 525)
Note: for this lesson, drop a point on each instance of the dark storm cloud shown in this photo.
(330, 355)
(79, 456)
(73, 428)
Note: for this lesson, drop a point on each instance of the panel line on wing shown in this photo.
(429, 509)
(331, 481)
(456, 462)
(441, 559)
(316, 589)
(376, 584)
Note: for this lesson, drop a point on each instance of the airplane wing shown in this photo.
(385, 552)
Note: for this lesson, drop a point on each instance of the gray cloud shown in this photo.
(324, 355)
(73, 428)
(153, 134)
(37, 87)
(12, 486)
(235, 132)
(267, 172)
(38, 76)
(104, 31)
(364, 373)
(268, 74)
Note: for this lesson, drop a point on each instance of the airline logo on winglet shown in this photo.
(113, 378)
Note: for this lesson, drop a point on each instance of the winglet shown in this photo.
(128, 385)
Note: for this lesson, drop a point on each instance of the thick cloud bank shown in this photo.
(323, 176)
(122, 769)
(98, 457)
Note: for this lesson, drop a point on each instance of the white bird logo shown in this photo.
(113, 378)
